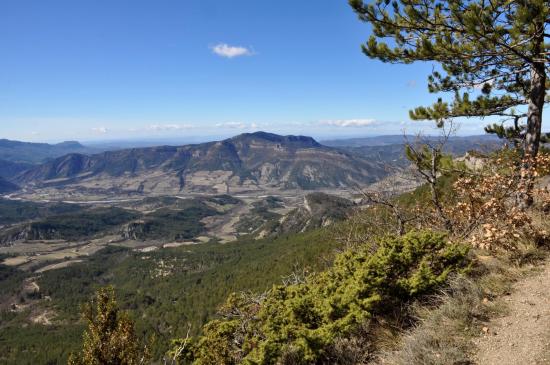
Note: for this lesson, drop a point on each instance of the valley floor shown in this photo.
(522, 336)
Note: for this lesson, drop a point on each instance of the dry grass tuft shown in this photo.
(443, 334)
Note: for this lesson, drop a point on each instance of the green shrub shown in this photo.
(301, 321)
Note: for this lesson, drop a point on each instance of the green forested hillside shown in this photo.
(14, 211)
(166, 290)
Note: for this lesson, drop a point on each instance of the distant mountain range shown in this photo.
(248, 162)
(28, 152)
(401, 139)
(391, 149)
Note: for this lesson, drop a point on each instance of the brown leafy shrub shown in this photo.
(487, 205)
(490, 205)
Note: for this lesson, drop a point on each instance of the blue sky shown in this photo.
(114, 69)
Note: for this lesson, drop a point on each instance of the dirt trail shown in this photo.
(523, 335)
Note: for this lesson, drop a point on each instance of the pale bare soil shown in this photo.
(57, 266)
(28, 255)
(522, 335)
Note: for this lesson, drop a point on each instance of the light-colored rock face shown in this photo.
(267, 173)
(473, 162)
(310, 173)
(307, 206)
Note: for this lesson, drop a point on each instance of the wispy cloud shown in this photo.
(232, 125)
(225, 50)
(168, 127)
(349, 123)
(100, 130)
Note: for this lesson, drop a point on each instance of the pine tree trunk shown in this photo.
(534, 113)
(537, 94)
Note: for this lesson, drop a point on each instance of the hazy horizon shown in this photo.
(208, 138)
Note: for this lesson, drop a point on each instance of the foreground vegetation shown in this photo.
(299, 323)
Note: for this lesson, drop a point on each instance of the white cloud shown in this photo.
(225, 50)
(349, 122)
(168, 127)
(100, 130)
(232, 125)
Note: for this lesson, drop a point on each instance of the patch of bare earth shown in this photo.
(43, 318)
(522, 336)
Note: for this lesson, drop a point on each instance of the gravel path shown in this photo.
(523, 335)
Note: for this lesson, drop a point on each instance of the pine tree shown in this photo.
(110, 338)
(493, 49)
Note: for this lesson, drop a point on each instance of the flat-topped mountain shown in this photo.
(247, 162)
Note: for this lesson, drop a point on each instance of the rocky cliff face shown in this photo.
(133, 230)
(10, 236)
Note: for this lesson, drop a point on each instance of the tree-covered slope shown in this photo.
(170, 289)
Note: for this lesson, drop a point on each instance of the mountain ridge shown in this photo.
(34, 153)
(247, 162)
